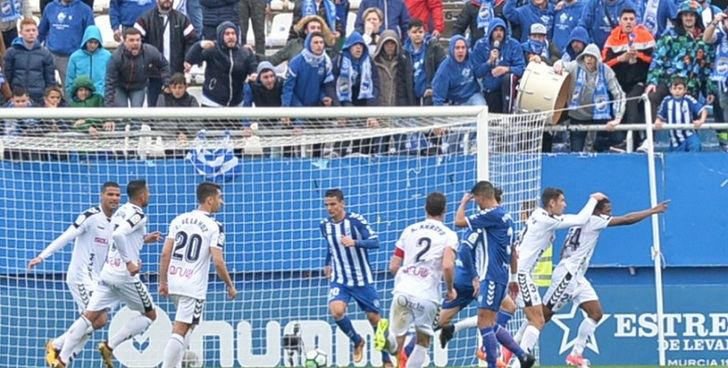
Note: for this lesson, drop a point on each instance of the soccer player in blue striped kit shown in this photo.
(349, 237)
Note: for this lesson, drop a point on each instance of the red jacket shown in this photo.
(426, 9)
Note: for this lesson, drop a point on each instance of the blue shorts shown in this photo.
(491, 295)
(366, 296)
(465, 297)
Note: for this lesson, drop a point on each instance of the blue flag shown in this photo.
(214, 163)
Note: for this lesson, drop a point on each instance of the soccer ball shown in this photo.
(191, 360)
(316, 359)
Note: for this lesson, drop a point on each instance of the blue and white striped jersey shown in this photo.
(350, 265)
(679, 111)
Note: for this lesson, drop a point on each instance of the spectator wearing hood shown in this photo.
(61, 29)
(578, 39)
(90, 60)
(228, 66)
(628, 51)
(395, 13)
(717, 33)
(217, 12)
(83, 94)
(498, 59)
(600, 17)
(536, 48)
(266, 90)
(475, 16)
(566, 18)
(294, 46)
(355, 74)
(426, 55)
(455, 81)
(124, 13)
(310, 77)
(596, 98)
(429, 12)
(682, 52)
(28, 64)
(394, 68)
(537, 11)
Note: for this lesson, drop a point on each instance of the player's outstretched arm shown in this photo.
(635, 217)
(71, 233)
(461, 220)
(222, 271)
(164, 267)
(583, 216)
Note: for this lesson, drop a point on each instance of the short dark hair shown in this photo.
(19, 91)
(678, 81)
(498, 194)
(53, 88)
(600, 205)
(131, 31)
(109, 184)
(316, 34)
(135, 188)
(627, 10)
(207, 189)
(415, 23)
(336, 193)
(436, 204)
(484, 188)
(550, 194)
(177, 78)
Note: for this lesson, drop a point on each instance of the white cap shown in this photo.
(538, 28)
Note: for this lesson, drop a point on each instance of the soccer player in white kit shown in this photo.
(535, 237)
(93, 232)
(119, 281)
(194, 238)
(426, 251)
(568, 283)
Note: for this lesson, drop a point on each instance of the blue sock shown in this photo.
(410, 346)
(385, 355)
(491, 346)
(502, 318)
(345, 326)
(505, 338)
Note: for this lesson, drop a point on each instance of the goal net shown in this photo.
(274, 172)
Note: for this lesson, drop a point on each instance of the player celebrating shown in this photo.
(194, 238)
(348, 237)
(119, 281)
(426, 252)
(535, 237)
(568, 282)
(491, 231)
(93, 231)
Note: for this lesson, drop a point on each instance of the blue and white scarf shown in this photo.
(602, 109)
(318, 61)
(309, 7)
(720, 71)
(540, 48)
(485, 14)
(650, 16)
(214, 163)
(348, 74)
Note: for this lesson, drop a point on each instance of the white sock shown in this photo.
(132, 328)
(418, 357)
(174, 351)
(469, 322)
(84, 339)
(392, 343)
(530, 339)
(519, 334)
(74, 338)
(58, 341)
(586, 328)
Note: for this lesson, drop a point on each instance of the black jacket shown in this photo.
(132, 73)
(181, 32)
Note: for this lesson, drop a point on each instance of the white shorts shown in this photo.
(81, 294)
(565, 288)
(188, 310)
(410, 311)
(133, 294)
(528, 295)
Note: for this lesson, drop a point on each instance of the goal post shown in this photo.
(273, 204)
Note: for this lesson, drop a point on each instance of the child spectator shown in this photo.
(681, 108)
(177, 95)
(85, 95)
(28, 127)
(91, 59)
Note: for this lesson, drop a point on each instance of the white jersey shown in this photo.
(580, 244)
(129, 219)
(92, 231)
(194, 233)
(538, 233)
(423, 245)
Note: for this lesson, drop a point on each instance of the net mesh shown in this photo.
(273, 179)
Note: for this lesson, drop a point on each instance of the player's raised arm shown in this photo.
(164, 266)
(635, 217)
(222, 271)
(583, 216)
(461, 220)
(71, 233)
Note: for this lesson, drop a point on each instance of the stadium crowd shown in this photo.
(616, 50)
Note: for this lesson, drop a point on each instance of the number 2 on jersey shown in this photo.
(192, 243)
(423, 242)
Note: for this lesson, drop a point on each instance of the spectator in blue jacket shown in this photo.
(355, 74)
(223, 81)
(455, 78)
(600, 23)
(536, 48)
(28, 64)
(578, 39)
(124, 13)
(91, 60)
(395, 12)
(216, 12)
(426, 55)
(498, 59)
(61, 30)
(537, 11)
(310, 77)
(565, 19)
(657, 14)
